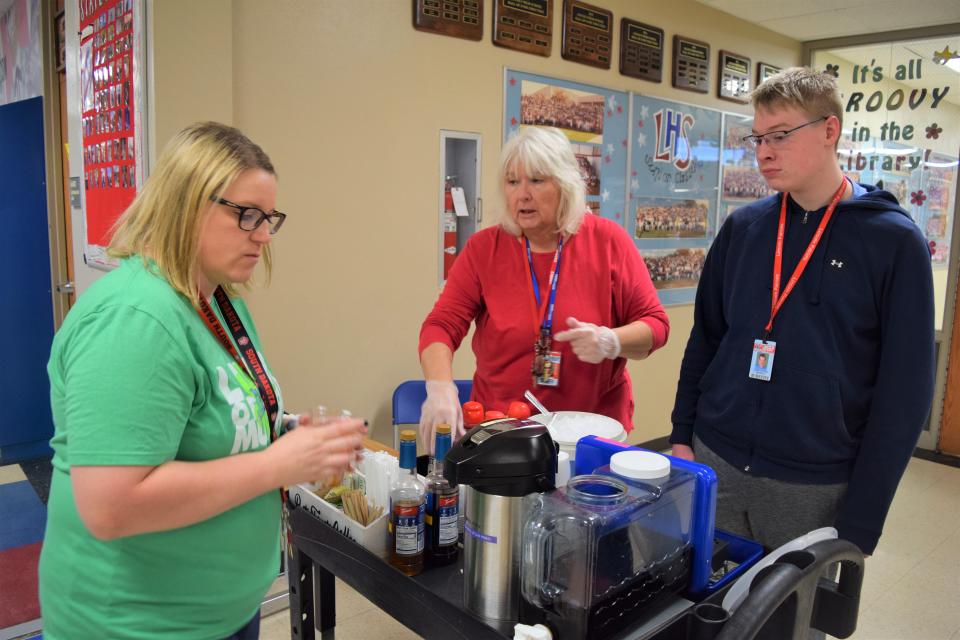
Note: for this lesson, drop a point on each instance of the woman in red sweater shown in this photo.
(560, 298)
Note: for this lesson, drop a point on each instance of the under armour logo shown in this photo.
(836, 263)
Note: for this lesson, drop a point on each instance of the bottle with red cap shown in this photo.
(473, 414)
(518, 410)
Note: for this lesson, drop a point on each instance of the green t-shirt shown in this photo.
(137, 378)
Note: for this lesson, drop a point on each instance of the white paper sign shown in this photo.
(459, 202)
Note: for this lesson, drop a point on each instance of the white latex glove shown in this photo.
(442, 406)
(590, 342)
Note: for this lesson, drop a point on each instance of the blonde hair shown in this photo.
(813, 92)
(545, 152)
(163, 222)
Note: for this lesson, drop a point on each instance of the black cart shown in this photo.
(786, 599)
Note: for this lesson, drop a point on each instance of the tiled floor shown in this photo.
(911, 586)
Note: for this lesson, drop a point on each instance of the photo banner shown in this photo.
(673, 191)
(595, 120)
(111, 98)
(740, 180)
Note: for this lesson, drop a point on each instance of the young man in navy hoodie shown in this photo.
(832, 280)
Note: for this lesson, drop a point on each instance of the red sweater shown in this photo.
(603, 280)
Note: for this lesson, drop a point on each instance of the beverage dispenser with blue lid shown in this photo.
(598, 553)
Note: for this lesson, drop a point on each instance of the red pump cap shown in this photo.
(518, 410)
(494, 415)
(472, 413)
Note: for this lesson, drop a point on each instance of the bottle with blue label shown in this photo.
(407, 505)
(443, 506)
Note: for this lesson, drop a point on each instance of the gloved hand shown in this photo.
(590, 342)
(442, 406)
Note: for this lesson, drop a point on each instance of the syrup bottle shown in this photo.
(443, 506)
(407, 504)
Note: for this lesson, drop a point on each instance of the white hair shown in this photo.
(545, 152)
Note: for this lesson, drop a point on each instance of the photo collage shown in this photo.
(108, 118)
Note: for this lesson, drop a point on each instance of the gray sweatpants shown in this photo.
(772, 512)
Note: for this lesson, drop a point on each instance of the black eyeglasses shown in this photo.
(774, 139)
(250, 218)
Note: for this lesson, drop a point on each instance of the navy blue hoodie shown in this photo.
(852, 379)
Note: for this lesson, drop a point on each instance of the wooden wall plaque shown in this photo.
(691, 65)
(733, 79)
(457, 18)
(765, 70)
(587, 34)
(641, 50)
(524, 25)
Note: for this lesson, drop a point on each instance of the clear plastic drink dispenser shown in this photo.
(602, 550)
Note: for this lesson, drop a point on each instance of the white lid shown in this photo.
(640, 465)
(563, 469)
(567, 427)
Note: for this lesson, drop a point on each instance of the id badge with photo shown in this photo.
(551, 370)
(761, 362)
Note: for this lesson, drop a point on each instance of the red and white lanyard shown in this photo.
(777, 300)
(247, 359)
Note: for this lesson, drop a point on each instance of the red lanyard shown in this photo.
(777, 300)
(250, 362)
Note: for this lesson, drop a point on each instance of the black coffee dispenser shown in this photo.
(499, 462)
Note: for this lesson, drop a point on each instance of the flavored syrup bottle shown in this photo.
(443, 506)
(407, 501)
(472, 414)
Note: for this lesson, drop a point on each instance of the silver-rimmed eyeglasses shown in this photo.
(250, 218)
(774, 139)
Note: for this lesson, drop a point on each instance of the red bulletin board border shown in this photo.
(108, 114)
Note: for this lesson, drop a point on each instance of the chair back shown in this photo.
(409, 396)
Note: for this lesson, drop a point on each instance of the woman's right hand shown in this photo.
(317, 453)
(442, 406)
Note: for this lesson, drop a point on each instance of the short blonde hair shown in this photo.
(163, 222)
(814, 92)
(545, 152)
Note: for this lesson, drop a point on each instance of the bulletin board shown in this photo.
(111, 46)
(653, 166)
(673, 191)
(595, 120)
(740, 181)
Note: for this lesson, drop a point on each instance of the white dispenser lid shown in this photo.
(640, 465)
(563, 469)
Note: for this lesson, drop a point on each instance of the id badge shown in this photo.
(551, 370)
(761, 363)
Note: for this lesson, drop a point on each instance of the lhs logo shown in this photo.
(836, 263)
(673, 139)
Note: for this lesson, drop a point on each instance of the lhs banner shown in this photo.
(673, 191)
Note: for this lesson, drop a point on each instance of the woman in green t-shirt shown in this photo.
(164, 511)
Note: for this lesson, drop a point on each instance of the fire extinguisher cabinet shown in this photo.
(458, 218)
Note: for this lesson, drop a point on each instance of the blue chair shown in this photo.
(409, 397)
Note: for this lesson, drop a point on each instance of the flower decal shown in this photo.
(833, 70)
(945, 56)
(934, 131)
(917, 197)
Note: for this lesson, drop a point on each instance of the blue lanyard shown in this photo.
(555, 277)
